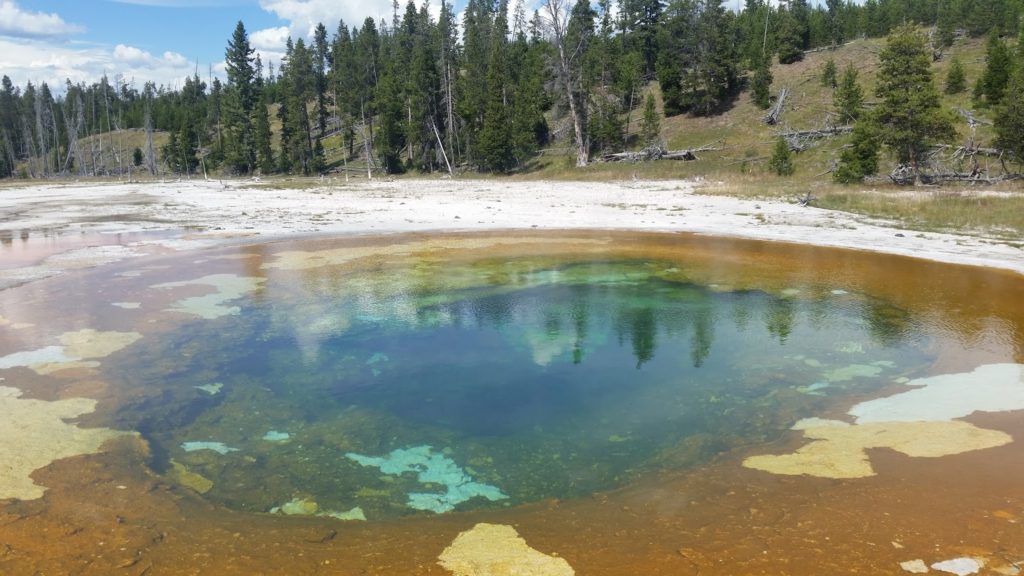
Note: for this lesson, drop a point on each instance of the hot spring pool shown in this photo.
(381, 388)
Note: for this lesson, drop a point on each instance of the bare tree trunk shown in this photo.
(72, 127)
(150, 152)
(446, 163)
(9, 150)
(28, 144)
(44, 153)
(558, 16)
(367, 145)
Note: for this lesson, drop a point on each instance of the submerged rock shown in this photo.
(211, 389)
(307, 507)
(275, 436)
(847, 373)
(218, 447)
(355, 514)
(182, 475)
(914, 566)
(959, 566)
(498, 550)
(298, 507)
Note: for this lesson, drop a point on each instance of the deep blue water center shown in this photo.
(572, 380)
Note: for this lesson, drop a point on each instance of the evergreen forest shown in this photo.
(489, 92)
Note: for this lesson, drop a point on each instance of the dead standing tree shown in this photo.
(569, 64)
(772, 118)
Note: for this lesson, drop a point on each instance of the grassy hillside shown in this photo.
(740, 167)
(748, 140)
(110, 150)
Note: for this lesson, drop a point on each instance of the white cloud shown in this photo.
(175, 59)
(39, 61)
(20, 23)
(270, 38)
(303, 15)
(132, 55)
(182, 3)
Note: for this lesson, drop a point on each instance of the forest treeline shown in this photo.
(426, 94)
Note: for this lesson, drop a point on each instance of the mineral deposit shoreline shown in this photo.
(90, 224)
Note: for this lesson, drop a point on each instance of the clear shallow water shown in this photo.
(490, 389)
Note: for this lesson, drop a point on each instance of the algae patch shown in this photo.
(227, 287)
(76, 350)
(498, 550)
(431, 468)
(36, 433)
(839, 449)
(920, 422)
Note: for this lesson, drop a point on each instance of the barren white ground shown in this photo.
(241, 211)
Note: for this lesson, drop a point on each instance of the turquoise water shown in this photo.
(578, 378)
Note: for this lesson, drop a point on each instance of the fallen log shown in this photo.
(965, 151)
(659, 153)
(800, 140)
(971, 119)
(904, 175)
(818, 132)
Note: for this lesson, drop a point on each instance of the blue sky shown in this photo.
(193, 29)
(153, 40)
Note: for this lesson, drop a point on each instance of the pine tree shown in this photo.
(792, 32)
(998, 66)
(910, 115)
(241, 98)
(319, 56)
(834, 18)
(1009, 122)
(171, 154)
(390, 135)
(530, 127)
(946, 23)
(762, 83)
(264, 153)
(472, 78)
(849, 98)
(650, 127)
(955, 80)
(860, 159)
(639, 22)
(828, 74)
(297, 88)
(697, 67)
(497, 144)
(781, 162)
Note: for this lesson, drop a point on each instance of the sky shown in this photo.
(154, 40)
